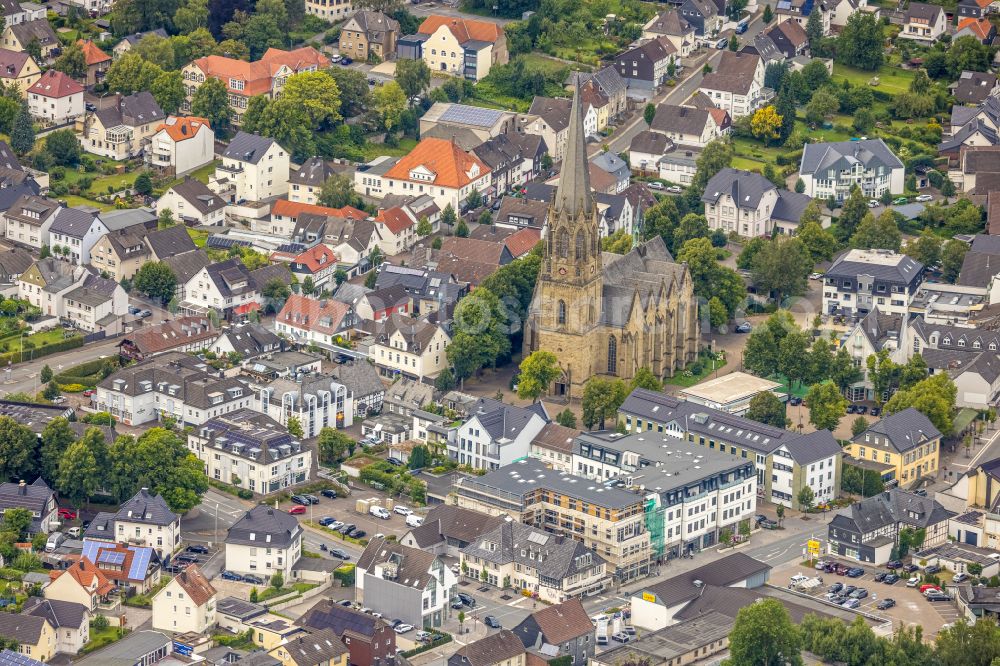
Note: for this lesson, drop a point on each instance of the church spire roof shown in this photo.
(573, 196)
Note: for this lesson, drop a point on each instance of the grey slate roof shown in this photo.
(680, 119)
(198, 195)
(247, 147)
(360, 377)
(902, 431)
(128, 651)
(94, 291)
(262, 521)
(888, 508)
(734, 73)
(726, 571)
(22, 628)
(499, 419)
(920, 10)
(555, 111)
(32, 496)
(314, 171)
(652, 143)
(975, 126)
(58, 613)
(15, 261)
(72, 222)
(493, 649)
(317, 646)
(129, 217)
(842, 154)
(145, 507)
(670, 23)
(852, 264)
(414, 564)
(328, 614)
(560, 557)
(745, 187)
(170, 241)
(251, 340)
(131, 111)
(790, 206)
(974, 87)
(39, 29)
(186, 265)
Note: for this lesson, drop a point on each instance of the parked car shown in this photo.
(891, 579)
(960, 578)
(299, 499)
(913, 582)
(893, 564)
(873, 203)
(297, 510)
(344, 60)
(346, 528)
(852, 409)
(186, 557)
(899, 201)
(875, 411)
(675, 189)
(621, 637)
(491, 622)
(197, 548)
(848, 591)
(927, 587)
(910, 568)
(357, 534)
(859, 593)
(229, 575)
(862, 409)
(467, 599)
(413, 520)
(380, 512)
(886, 604)
(937, 596)
(67, 514)
(769, 525)
(332, 494)
(456, 603)
(394, 461)
(55, 540)
(924, 197)
(402, 628)
(856, 572)
(422, 636)
(841, 570)
(132, 310)
(335, 525)
(253, 580)
(312, 499)
(89, 392)
(744, 327)
(852, 603)
(346, 603)
(880, 576)
(402, 510)
(656, 185)
(326, 521)
(795, 401)
(933, 569)
(836, 587)
(146, 313)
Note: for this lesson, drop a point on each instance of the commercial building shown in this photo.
(732, 392)
(906, 442)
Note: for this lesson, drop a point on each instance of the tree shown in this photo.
(860, 42)
(968, 54)
(566, 418)
(925, 248)
(601, 399)
(389, 102)
(538, 371)
(820, 243)
(56, 438)
(277, 580)
(413, 76)
(294, 427)
(156, 280)
(479, 336)
(814, 31)
(717, 314)
(211, 102)
(711, 279)
(168, 90)
(645, 379)
(767, 408)
(734, 43)
(22, 137)
(46, 374)
(78, 473)
(854, 211)
(354, 91)
(72, 62)
(715, 157)
(843, 372)
(913, 372)
(766, 124)
(191, 16)
(424, 226)
(64, 147)
(806, 498)
(952, 256)
(17, 449)
(448, 215)
(160, 461)
(462, 229)
(16, 522)
(858, 426)
(307, 286)
(445, 381)
(963, 644)
(131, 73)
(826, 404)
(317, 94)
(165, 219)
(143, 183)
(332, 445)
(782, 266)
(648, 113)
(768, 14)
(764, 634)
(338, 191)
(934, 397)
(822, 106)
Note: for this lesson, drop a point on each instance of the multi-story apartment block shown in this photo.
(834, 169)
(306, 182)
(369, 33)
(750, 205)
(329, 10)
(251, 450)
(608, 520)
(244, 80)
(254, 168)
(906, 444)
(412, 347)
(173, 385)
(736, 84)
(317, 403)
(862, 280)
(496, 434)
(264, 542)
(785, 461)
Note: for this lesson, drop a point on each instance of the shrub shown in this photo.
(72, 388)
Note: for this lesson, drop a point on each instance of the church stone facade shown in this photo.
(602, 313)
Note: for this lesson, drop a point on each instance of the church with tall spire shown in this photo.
(602, 313)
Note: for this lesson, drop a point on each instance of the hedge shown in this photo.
(445, 639)
(87, 374)
(38, 352)
(242, 493)
(790, 158)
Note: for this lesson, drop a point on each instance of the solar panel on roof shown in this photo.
(140, 562)
(111, 557)
(223, 242)
(471, 115)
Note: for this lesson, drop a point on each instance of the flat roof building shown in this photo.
(731, 393)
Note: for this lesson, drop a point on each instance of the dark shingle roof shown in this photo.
(558, 624)
(840, 154)
(494, 649)
(729, 570)
(262, 521)
(902, 431)
(198, 195)
(414, 564)
(58, 613)
(72, 222)
(24, 629)
(360, 377)
(145, 507)
(170, 241)
(317, 646)
(679, 119)
(247, 147)
(745, 187)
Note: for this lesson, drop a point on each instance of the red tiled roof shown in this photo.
(395, 219)
(293, 209)
(92, 52)
(55, 84)
(316, 258)
(85, 572)
(979, 27)
(445, 159)
(307, 313)
(196, 585)
(257, 76)
(183, 127)
(463, 29)
(521, 242)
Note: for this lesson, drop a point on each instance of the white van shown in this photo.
(413, 520)
(380, 512)
(55, 540)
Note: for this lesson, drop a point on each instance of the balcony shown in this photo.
(234, 169)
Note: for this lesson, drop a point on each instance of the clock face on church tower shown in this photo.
(562, 271)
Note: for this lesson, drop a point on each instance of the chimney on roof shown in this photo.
(22, 488)
(80, 562)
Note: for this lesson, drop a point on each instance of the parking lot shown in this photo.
(343, 509)
(911, 606)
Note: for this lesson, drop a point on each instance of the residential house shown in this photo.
(833, 169)
(137, 647)
(447, 529)
(504, 157)
(673, 26)
(361, 379)
(496, 434)
(799, 11)
(181, 145)
(185, 266)
(563, 629)
(244, 80)
(369, 33)
(187, 603)
(549, 118)
(518, 213)
(549, 567)
(703, 15)
(329, 10)
(406, 583)
(134, 569)
(19, 36)
(316, 321)
(868, 530)
(28, 220)
(685, 125)
(54, 97)
(785, 461)
(122, 252)
(248, 340)
(647, 150)
(70, 622)
(906, 442)
(37, 497)
(317, 647)
(874, 333)
(841, 10)
(19, 69)
(96, 305)
(98, 62)
(397, 230)
(46, 283)
(121, 130)
(974, 87)
(33, 635)
(428, 290)
(982, 30)
(308, 224)
(184, 334)
(317, 264)
(306, 182)
(462, 47)
(265, 541)
(553, 445)
(317, 402)
(411, 347)
(173, 385)
(736, 84)
(128, 41)
(923, 22)
(860, 280)
(518, 242)
(612, 88)
(750, 205)
(230, 288)
(406, 395)
(254, 168)
(609, 173)
(468, 125)
(503, 648)
(81, 583)
(371, 641)
(438, 167)
(146, 520)
(19, 12)
(380, 304)
(193, 203)
(646, 67)
(13, 262)
(975, 8)
(74, 232)
(787, 40)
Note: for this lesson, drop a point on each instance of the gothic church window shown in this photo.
(562, 244)
(581, 246)
(612, 355)
(562, 312)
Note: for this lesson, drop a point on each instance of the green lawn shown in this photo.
(687, 379)
(13, 342)
(101, 637)
(892, 80)
(74, 201)
(203, 173)
(373, 150)
(199, 237)
(545, 64)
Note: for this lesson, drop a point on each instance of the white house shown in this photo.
(254, 168)
(833, 169)
(860, 281)
(186, 604)
(735, 85)
(55, 98)
(97, 304)
(229, 287)
(264, 542)
(496, 434)
(181, 145)
(192, 202)
(47, 281)
(925, 23)
(77, 231)
(28, 219)
(145, 519)
(317, 403)
(685, 125)
(750, 205)
(409, 346)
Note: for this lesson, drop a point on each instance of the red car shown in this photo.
(88, 393)
(297, 509)
(67, 514)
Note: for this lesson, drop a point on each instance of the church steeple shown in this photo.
(573, 196)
